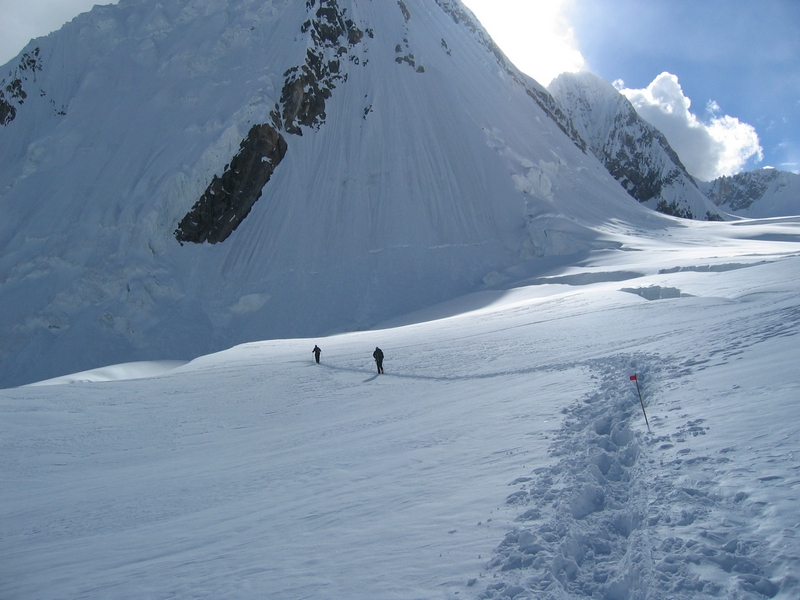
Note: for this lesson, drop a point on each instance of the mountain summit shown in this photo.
(196, 174)
(634, 152)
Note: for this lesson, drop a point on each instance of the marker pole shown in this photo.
(634, 379)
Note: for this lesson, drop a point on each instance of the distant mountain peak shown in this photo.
(759, 193)
(634, 152)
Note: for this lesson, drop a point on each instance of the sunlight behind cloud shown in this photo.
(533, 34)
(721, 145)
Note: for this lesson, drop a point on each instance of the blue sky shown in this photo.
(730, 101)
(742, 55)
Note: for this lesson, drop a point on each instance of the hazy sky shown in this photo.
(720, 78)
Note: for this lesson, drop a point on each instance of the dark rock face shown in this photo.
(404, 9)
(627, 154)
(228, 199)
(12, 90)
(307, 87)
(408, 57)
(674, 209)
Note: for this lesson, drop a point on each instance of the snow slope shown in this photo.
(419, 164)
(504, 454)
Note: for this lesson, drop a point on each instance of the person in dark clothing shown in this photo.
(378, 356)
(317, 351)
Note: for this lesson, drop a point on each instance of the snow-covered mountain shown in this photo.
(641, 159)
(756, 194)
(633, 151)
(183, 175)
(178, 176)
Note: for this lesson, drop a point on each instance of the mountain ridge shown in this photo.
(762, 193)
(634, 152)
(640, 157)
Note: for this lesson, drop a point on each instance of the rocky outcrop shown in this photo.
(308, 86)
(229, 198)
(12, 89)
(740, 191)
(403, 50)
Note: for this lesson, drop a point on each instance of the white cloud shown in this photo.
(534, 34)
(721, 145)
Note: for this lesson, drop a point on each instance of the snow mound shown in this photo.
(121, 372)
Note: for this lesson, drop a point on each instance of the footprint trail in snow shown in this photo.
(602, 524)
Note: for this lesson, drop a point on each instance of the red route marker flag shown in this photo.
(633, 378)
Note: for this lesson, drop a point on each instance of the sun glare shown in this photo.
(533, 34)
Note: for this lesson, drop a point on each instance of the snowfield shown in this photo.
(504, 453)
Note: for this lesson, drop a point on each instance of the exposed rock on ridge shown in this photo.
(308, 86)
(229, 198)
(741, 190)
(759, 193)
(12, 90)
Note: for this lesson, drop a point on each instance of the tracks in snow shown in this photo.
(623, 515)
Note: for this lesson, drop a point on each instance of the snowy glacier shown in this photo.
(502, 454)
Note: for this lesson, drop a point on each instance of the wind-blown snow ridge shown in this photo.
(137, 370)
(542, 97)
